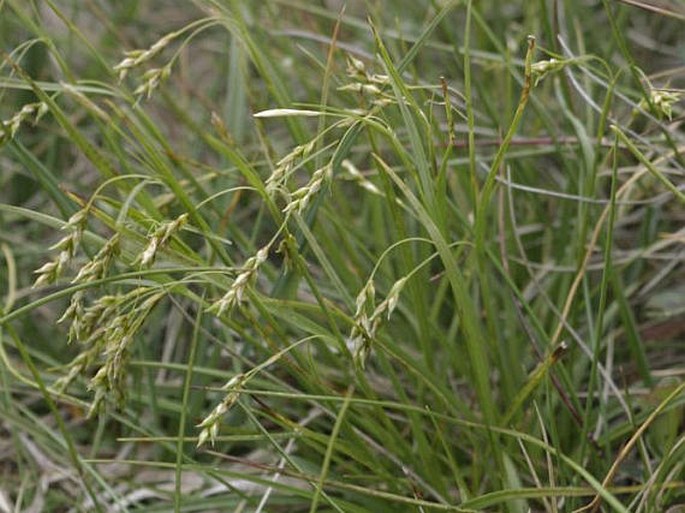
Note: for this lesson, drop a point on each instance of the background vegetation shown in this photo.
(284, 256)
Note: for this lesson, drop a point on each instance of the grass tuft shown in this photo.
(341, 257)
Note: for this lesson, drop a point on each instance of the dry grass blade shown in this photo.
(666, 9)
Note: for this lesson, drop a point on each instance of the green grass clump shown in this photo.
(290, 256)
